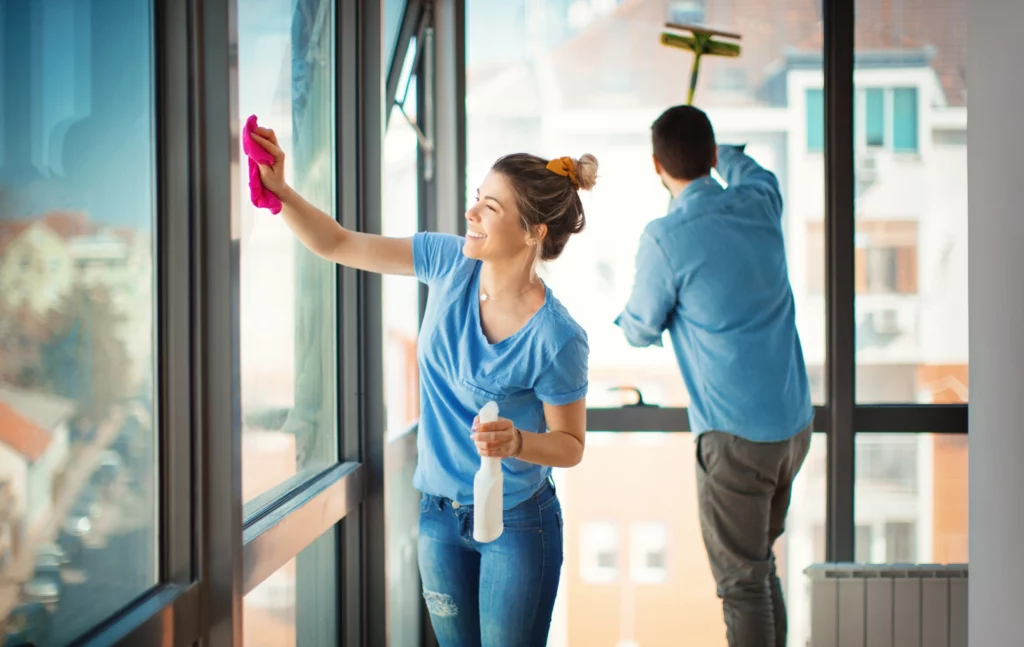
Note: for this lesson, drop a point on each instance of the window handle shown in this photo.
(639, 396)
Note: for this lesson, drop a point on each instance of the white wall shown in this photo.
(996, 265)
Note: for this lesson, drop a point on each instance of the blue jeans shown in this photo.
(499, 594)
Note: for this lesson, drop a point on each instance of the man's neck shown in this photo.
(675, 187)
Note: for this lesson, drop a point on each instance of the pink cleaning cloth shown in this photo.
(261, 198)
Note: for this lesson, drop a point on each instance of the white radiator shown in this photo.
(888, 605)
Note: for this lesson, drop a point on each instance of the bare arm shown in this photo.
(322, 234)
(561, 446)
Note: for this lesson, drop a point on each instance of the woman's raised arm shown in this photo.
(322, 234)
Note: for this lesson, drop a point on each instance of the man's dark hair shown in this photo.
(684, 142)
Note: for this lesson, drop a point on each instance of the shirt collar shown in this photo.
(693, 189)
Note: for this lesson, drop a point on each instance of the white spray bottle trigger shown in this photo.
(488, 490)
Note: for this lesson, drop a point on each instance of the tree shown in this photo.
(85, 359)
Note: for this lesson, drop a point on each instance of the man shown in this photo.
(713, 273)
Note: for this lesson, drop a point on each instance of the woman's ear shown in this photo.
(539, 232)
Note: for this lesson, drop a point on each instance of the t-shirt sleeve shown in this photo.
(435, 255)
(565, 379)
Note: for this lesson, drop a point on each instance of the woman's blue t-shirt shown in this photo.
(460, 371)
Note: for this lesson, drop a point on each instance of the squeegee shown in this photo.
(700, 41)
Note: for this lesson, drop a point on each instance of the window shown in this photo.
(890, 119)
(400, 218)
(911, 203)
(885, 260)
(599, 552)
(648, 544)
(554, 106)
(880, 269)
(79, 501)
(815, 120)
(287, 318)
(913, 490)
(687, 12)
(888, 462)
(394, 11)
(298, 604)
(862, 544)
(904, 119)
(900, 542)
(874, 116)
(627, 549)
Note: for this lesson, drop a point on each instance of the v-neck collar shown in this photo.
(478, 321)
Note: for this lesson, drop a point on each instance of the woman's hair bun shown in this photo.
(586, 171)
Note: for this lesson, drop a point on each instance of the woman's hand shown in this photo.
(498, 439)
(272, 177)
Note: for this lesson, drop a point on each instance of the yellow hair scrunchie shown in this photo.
(565, 167)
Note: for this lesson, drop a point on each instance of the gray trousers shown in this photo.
(743, 493)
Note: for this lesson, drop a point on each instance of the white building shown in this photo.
(34, 444)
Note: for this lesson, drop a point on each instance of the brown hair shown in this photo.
(545, 197)
(684, 142)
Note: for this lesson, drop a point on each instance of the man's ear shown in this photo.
(714, 158)
(657, 164)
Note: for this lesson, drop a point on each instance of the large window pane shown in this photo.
(297, 606)
(636, 571)
(288, 340)
(400, 217)
(78, 478)
(558, 78)
(911, 193)
(911, 498)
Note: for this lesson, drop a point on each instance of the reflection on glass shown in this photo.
(400, 218)
(297, 606)
(394, 10)
(636, 571)
(911, 498)
(77, 439)
(558, 78)
(911, 191)
(288, 341)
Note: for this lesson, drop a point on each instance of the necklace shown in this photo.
(487, 297)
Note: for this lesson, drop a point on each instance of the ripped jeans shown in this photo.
(499, 594)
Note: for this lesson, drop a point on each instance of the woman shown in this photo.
(492, 331)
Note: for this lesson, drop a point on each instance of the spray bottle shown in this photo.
(488, 490)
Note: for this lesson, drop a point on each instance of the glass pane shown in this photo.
(289, 390)
(815, 120)
(904, 120)
(400, 217)
(530, 87)
(911, 210)
(78, 478)
(394, 11)
(874, 115)
(636, 571)
(297, 606)
(911, 497)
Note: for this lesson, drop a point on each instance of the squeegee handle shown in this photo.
(693, 77)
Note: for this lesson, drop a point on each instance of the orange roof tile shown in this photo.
(21, 435)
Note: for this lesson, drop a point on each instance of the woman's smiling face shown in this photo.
(494, 228)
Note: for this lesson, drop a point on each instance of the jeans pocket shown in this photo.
(699, 454)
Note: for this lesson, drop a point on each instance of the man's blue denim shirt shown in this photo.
(713, 273)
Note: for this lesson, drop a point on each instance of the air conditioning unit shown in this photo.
(887, 322)
(867, 169)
